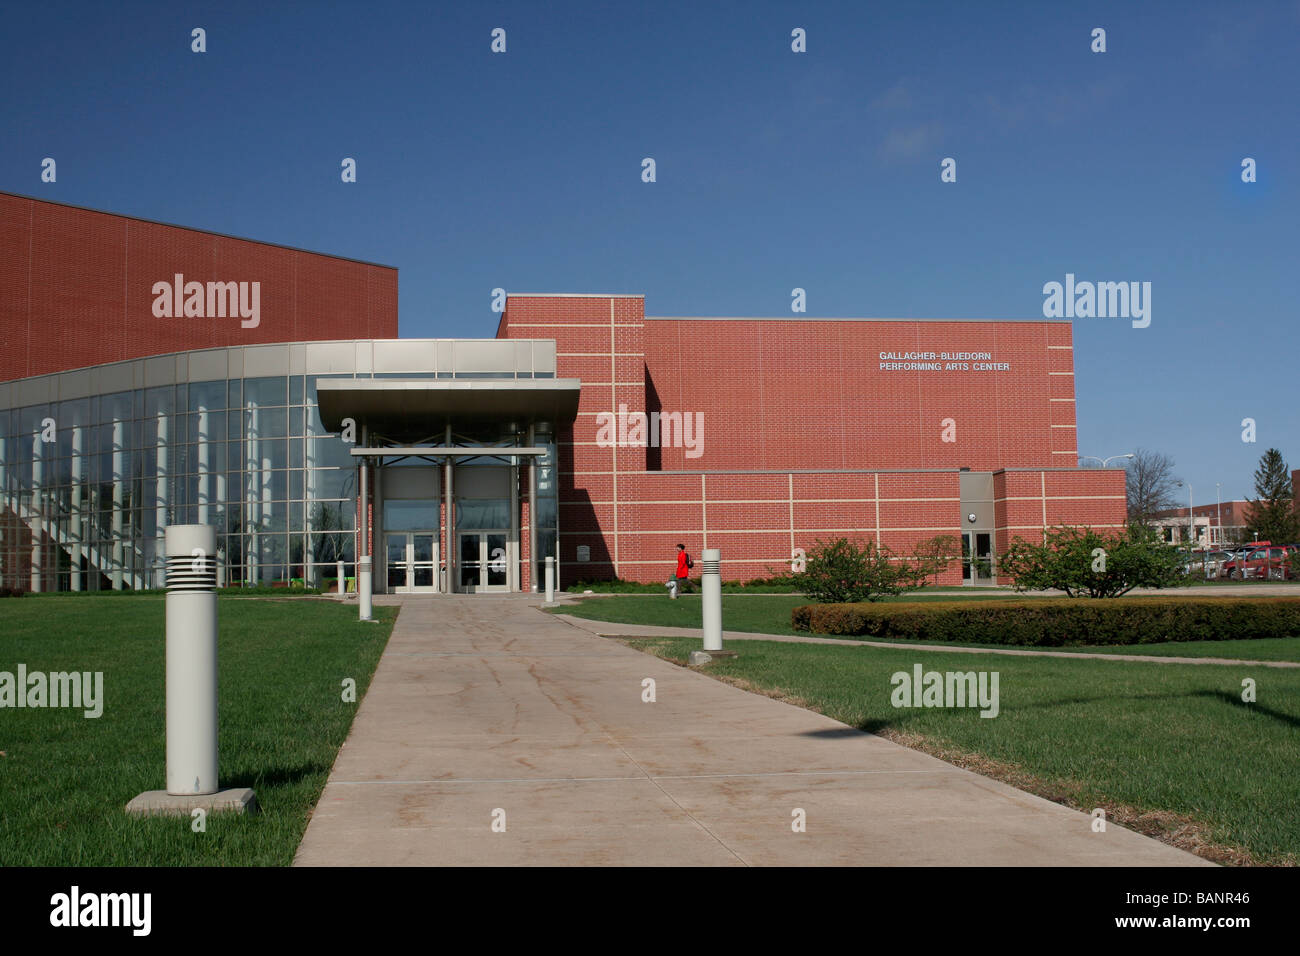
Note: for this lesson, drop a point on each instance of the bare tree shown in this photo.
(1151, 485)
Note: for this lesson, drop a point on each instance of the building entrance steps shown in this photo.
(495, 734)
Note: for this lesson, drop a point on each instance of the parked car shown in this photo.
(1214, 562)
(1232, 567)
(1259, 563)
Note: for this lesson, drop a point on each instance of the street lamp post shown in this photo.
(1104, 461)
(1191, 515)
(1218, 510)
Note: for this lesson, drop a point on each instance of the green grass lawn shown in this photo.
(770, 614)
(64, 779)
(1262, 649)
(760, 613)
(1162, 746)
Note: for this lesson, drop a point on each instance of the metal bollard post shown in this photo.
(550, 579)
(341, 583)
(363, 587)
(712, 587)
(672, 589)
(191, 659)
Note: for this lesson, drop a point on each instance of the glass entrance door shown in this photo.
(977, 558)
(483, 561)
(412, 561)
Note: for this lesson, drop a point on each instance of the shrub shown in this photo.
(933, 556)
(842, 571)
(1083, 561)
(1059, 622)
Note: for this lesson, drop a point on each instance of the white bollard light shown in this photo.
(191, 659)
(363, 587)
(341, 583)
(711, 584)
(550, 579)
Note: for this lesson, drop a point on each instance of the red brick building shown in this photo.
(76, 289)
(152, 375)
(892, 430)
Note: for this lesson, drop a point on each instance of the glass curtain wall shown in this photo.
(88, 486)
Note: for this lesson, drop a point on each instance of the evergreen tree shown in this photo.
(1272, 514)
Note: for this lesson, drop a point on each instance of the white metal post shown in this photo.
(191, 659)
(550, 579)
(341, 583)
(711, 585)
(363, 587)
(364, 561)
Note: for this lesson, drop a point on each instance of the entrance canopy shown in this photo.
(397, 406)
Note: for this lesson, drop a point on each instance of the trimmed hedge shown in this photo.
(1059, 622)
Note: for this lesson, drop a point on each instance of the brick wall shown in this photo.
(76, 289)
(830, 444)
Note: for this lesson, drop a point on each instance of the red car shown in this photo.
(1262, 560)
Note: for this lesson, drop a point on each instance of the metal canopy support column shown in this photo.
(512, 545)
(363, 514)
(450, 520)
(532, 515)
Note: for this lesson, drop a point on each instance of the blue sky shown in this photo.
(775, 169)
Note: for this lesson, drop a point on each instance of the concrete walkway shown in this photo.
(483, 704)
(617, 629)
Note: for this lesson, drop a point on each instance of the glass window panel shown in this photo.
(402, 515)
(266, 391)
(295, 453)
(277, 481)
(483, 513)
(73, 413)
(208, 395)
(215, 422)
(313, 422)
(295, 420)
(267, 422)
(236, 399)
(329, 453)
(325, 483)
(161, 399)
(330, 527)
(29, 419)
(546, 512)
(296, 485)
(295, 390)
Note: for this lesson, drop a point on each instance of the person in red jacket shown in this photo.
(684, 565)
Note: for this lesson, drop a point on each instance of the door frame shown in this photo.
(410, 587)
(969, 555)
(483, 562)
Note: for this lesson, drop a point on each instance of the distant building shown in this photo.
(1216, 524)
